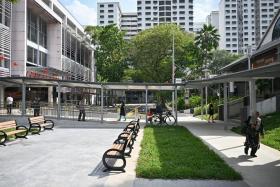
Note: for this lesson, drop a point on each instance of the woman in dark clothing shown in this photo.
(211, 113)
(122, 112)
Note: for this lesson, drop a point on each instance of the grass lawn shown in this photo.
(271, 124)
(174, 153)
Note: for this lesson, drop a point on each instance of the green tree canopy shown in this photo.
(220, 59)
(110, 53)
(151, 53)
(199, 54)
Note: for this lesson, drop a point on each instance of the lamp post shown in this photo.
(173, 70)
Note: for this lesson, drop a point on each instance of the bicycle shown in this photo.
(166, 119)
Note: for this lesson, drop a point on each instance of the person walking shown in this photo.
(9, 101)
(211, 113)
(36, 106)
(82, 112)
(122, 111)
(253, 135)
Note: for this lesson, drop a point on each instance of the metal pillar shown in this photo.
(102, 103)
(252, 89)
(23, 99)
(58, 100)
(176, 108)
(173, 69)
(146, 100)
(201, 101)
(225, 106)
(206, 98)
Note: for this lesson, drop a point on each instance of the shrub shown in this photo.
(194, 101)
(181, 103)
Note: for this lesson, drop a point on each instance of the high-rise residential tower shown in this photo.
(129, 25)
(109, 13)
(213, 19)
(243, 22)
(154, 12)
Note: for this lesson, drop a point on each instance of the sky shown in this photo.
(85, 10)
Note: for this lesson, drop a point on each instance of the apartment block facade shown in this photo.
(213, 19)
(129, 25)
(155, 12)
(41, 39)
(109, 13)
(242, 23)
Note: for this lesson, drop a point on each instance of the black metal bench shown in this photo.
(8, 128)
(38, 123)
(121, 147)
(134, 127)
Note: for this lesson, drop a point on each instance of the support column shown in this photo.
(102, 104)
(252, 90)
(23, 99)
(58, 100)
(146, 101)
(176, 107)
(201, 101)
(2, 96)
(206, 98)
(225, 106)
(50, 95)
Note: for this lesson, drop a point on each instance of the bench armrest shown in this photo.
(21, 126)
(48, 120)
(35, 125)
(117, 150)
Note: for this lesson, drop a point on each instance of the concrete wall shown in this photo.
(19, 30)
(267, 106)
(55, 45)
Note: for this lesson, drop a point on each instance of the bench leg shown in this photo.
(5, 138)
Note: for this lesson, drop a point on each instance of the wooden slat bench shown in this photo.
(8, 128)
(38, 123)
(118, 151)
(134, 127)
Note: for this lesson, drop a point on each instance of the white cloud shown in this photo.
(202, 8)
(84, 14)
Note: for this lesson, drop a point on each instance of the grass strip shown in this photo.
(172, 152)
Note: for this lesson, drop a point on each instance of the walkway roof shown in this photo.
(16, 81)
(265, 72)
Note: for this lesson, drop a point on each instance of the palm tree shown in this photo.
(206, 40)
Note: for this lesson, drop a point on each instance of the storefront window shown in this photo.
(276, 30)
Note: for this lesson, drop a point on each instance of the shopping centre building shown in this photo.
(41, 39)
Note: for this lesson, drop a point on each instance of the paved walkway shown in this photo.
(263, 170)
(71, 156)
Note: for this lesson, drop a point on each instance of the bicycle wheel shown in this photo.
(156, 120)
(169, 120)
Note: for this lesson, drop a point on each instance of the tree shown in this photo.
(110, 53)
(151, 53)
(220, 59)
(206, 41)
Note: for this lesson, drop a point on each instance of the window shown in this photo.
(110, 5)
(110, 21)
(31, 55)
(101, 6)
(101, 16)
(42, 59)
(32, 26)
(276, 30)
(101, 11)
(111, 11)
(42, 33)
(110, 16)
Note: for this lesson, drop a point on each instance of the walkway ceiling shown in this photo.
(266, 72)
